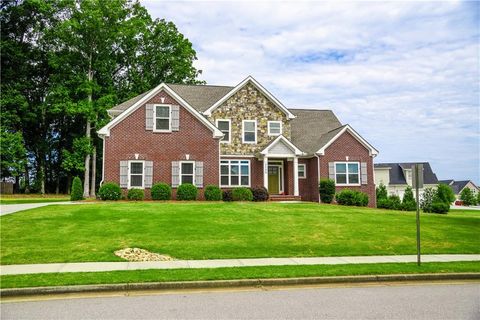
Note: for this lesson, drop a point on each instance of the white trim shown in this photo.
(239, 155)
(229, 185)
(304, 165)
(105, 131)
(103, 160)
(346, 173)
(296, 151)
(243, 131)
(274, 134)
(143, 174)
(155, 118)
(274, 100)
(296, 189)
(371, 149)
(229, 130)
(187, 174)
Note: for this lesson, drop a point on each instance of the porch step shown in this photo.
(278, 197)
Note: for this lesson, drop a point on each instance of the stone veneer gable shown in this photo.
(249, 104)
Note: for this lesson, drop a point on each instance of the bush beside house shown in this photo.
(349, 197)
(161, 191)
(260, 194)
(77, 190)
(187, 192)
(242, 194)
(135, 194)
(326, 189)
(213, 193)
(110, 191)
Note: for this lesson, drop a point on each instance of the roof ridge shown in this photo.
(198, 85)
(306, 109)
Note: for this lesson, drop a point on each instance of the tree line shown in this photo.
(63, 64)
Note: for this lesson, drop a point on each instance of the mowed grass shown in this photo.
(32, 198)
(201, 230)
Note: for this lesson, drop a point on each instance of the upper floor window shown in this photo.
(136, 174)
(347, 173)
(224, 126)
(301, 171)
(161, 116)
(249, 131)
(187, 172)
(274, 128)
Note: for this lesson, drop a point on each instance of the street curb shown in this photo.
(176, 285)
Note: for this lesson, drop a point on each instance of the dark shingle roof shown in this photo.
(396, 172)
(119, 108)
(201, 97)
(457, 186)
(448, 181)
(312, 129)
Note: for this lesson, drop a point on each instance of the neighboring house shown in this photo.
(458, 186)
(232, 137)
(397, 176)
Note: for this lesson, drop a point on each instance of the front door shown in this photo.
(273, 179)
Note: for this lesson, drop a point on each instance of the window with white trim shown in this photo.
(162, 118)
(347, 173)
(302, 173)
(187, 172)
(249, 131)
(224, 125)
(136, 174)
(274, 128)
(234, 173)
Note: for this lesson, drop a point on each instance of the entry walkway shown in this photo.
(221, 263)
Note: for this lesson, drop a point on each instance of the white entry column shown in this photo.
(296, 192)
(265, 172)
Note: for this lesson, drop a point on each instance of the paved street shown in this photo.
(385, 301)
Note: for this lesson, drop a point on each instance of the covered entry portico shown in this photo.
(277, 159)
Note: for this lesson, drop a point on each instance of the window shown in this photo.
(301, 171)
(187, 172)
(234, 173)
(161, 116)
(136, 174)
(249, 131)
(274, 128)
(347, 173)
(224, 126)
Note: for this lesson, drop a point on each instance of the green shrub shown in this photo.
(161, 191)
(110, 191)
(427, 199)
(381, 192)
(227, 196)
(394, 202)
(408, 201)
(468, 197)
(213, 193)
(135, 194)
(326, 190)
(187, 191)
(242, 194)
(77, 190)
(260, 194)
(383, 203)
(361, 199)
(440, 207)
(349, 197)
(444, 194)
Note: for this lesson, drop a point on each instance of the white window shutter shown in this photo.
(149, 117)
(148, 174)
(331, 170)
(363, 171)
(199, 174)
(175, 118)
(175, 174)
(123, 174)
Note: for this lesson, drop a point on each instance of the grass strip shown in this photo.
(137, 276)
(31, 200)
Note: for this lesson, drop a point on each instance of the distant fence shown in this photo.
(6, 187)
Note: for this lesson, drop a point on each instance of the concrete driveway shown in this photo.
(12, 208)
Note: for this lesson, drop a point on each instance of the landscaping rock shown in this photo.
(138, 255)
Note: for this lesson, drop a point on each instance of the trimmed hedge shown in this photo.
(260, 194)
(187, 192)
(242, 194)
(440, 207)
(213, 193)
(77, 190)
(110, 191)
(326, 189)
(161, 191)
(135, 194)
(349, 197)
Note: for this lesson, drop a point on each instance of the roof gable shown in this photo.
(255, 83)
(327, 139)
(281, 146)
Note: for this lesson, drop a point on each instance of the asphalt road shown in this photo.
(405, 301)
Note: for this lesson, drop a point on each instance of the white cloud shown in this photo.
(404, 74)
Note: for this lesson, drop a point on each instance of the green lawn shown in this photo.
(81, 278)
(226, 230)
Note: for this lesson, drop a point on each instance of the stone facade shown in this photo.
(249, 104)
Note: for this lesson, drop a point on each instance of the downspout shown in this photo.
(103, 159)
(318, 172)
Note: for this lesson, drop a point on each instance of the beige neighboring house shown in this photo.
(398, 176)
(458, 186)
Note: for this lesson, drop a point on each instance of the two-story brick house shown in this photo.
(232, 136)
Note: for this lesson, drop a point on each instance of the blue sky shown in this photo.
(405, 75)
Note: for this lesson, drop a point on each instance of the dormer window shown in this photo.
(274, 128)
(162, 119)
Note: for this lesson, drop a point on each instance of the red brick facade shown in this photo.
(129, 137)
(348, 146)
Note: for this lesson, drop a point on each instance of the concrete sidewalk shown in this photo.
(12, 208)
(220, 263)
